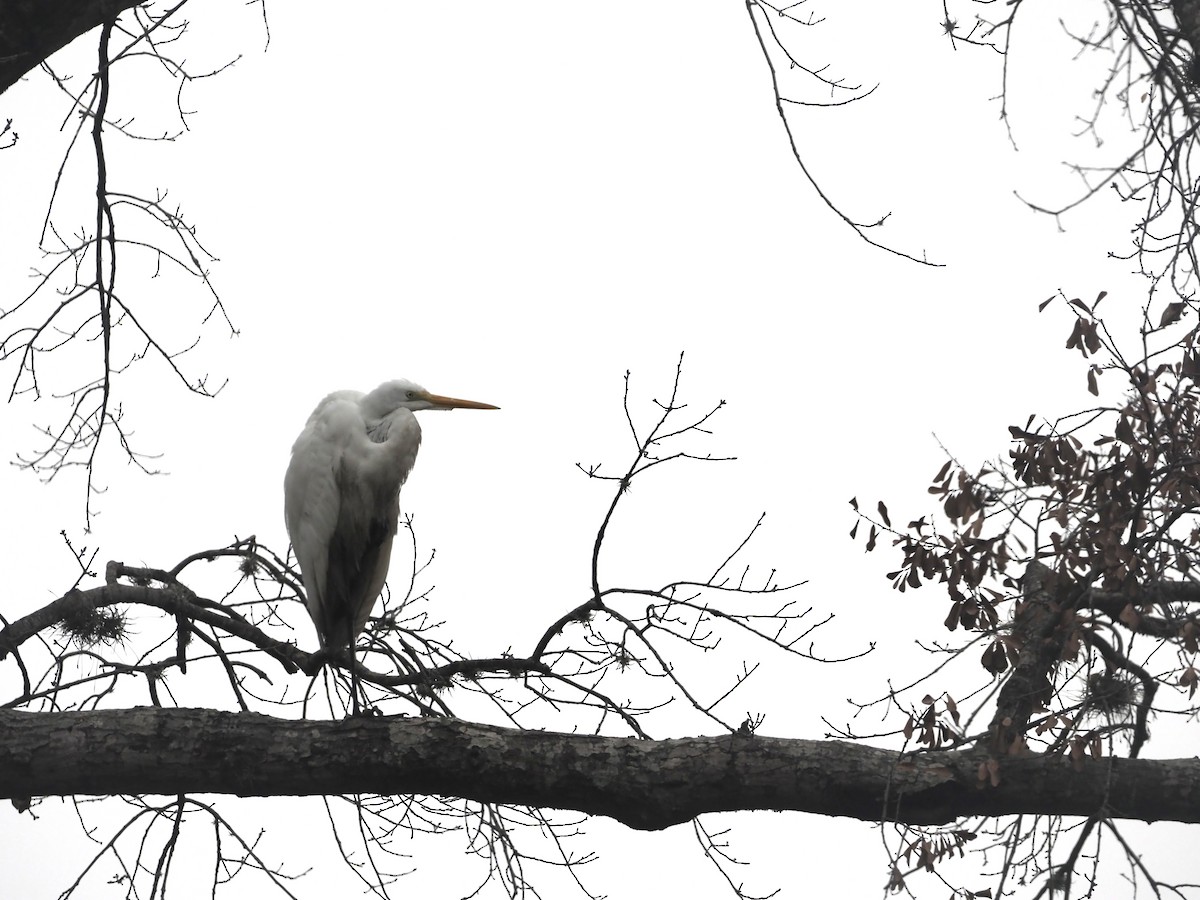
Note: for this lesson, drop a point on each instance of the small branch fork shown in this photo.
(763, 17)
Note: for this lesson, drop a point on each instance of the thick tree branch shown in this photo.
(1117, 605)
(1036, 631)
(645, 784)
(32, 30)
(1187, 14)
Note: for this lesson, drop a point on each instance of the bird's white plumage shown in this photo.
(341, 498)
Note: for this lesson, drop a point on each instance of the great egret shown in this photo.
(342, 499)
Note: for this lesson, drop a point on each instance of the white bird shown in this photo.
(342, 499)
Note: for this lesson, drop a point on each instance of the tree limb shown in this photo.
(644, 784)
(1187, 14)
(32, 30)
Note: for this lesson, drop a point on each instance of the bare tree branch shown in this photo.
(32, 30)
(644, 784)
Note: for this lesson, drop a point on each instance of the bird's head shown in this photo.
(403, 394)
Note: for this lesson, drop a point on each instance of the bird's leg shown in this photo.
(358, 694)
(355, 686)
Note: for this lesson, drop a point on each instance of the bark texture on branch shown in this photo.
(1036, 629)
(1187, 15)
(645, 784)
(32, 30)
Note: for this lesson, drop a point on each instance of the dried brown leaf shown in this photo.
(1171, 314)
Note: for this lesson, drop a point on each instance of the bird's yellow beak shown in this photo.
(440, 402)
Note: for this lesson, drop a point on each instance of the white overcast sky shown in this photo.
(516, 203)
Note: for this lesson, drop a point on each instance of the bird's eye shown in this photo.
(412, 395)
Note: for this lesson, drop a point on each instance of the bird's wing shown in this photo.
(360, 552)
(369, 480)
(312, 498)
